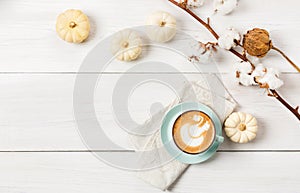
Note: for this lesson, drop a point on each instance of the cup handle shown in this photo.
(219, 139)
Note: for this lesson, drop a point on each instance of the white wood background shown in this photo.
(40, 148)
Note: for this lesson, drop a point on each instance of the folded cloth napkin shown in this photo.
(164, 175)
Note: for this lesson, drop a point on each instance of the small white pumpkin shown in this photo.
(126, 45)
(241, 127)
(161, 26)
(73, 26)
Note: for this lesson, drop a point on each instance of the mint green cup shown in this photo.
(167, 136)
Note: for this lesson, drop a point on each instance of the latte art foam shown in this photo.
(193, 132)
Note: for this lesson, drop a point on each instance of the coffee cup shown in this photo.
(191, 132)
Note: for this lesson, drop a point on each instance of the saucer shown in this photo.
(167, 137)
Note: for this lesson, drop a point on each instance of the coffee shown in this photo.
(193, 132)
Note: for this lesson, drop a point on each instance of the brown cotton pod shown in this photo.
(257, 42)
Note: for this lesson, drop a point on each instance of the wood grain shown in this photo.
(29, 42)
(82, 172)
(40, 146)
(37, 111)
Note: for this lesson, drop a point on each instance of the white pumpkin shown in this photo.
(126, 45)
(241, 127)
(73, 26)
(161, 26)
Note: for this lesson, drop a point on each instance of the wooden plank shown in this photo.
(29, 42)
(40, 146)
(37, 111)
(82, 172)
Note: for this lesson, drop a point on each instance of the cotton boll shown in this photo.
(225, 6)
(259, 71)
(202, 57)
(246, 79)
(243, 71)
(244, 67)
(271, 79)
(253, 59)
(202, 52)
(257, 42)
(275, 83)
(272, 71)
(207, 55)
(195, 3)
(228, 38)
(265, 77)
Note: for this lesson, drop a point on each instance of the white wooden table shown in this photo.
(40, 148)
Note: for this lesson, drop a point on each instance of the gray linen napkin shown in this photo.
(164, 175)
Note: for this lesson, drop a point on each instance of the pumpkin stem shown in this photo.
(72, 24)
(162, 23)
(125, 44)
(242, 127)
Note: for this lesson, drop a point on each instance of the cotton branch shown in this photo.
(287, 58)
(183, 6)
(295, 111)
